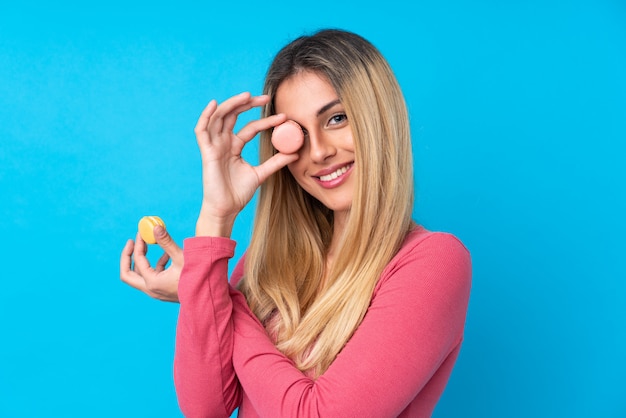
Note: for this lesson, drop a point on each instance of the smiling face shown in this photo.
(326, 168)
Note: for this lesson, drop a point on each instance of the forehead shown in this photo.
(304, 92)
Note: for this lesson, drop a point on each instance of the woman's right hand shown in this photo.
(229, 182)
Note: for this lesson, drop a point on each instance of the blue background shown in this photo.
(519, 121)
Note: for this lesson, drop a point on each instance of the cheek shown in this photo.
(295, 169)
(297, 172)
(298, 167)
(349, 141)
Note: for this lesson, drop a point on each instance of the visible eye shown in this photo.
(338, 119)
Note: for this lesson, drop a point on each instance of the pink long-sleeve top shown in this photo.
(396, 364)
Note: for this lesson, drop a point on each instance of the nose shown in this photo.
(320, 148)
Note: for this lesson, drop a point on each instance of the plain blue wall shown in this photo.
(519, 121)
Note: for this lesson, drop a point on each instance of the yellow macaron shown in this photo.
(146, 228)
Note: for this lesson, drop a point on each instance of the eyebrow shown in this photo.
(328, 106)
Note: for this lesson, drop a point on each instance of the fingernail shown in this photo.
(159, 231)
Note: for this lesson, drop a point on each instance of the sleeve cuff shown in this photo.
(202, 244)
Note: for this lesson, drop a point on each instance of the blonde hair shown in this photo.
(286, 260)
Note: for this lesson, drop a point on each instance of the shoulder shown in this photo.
(422, 242)
(429, 256)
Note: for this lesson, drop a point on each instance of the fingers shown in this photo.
(165, 241)
(158, 282)
(162, 262)
(226, 108)
(205, 116)
(273, 164)
(126, 259)
(230, 117)
(252, 128)
(142, 265)
(221, 119)
(127, 274)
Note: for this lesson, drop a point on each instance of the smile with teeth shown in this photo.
(340, 172)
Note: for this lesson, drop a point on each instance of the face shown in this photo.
(326, 166)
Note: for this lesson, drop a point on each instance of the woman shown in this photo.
(342, 306)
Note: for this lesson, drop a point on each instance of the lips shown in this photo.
(335, 174)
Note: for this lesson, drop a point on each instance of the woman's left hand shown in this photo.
(160, 282)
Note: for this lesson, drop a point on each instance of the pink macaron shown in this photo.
(288, 137)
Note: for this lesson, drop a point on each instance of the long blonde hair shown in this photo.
(286, 260)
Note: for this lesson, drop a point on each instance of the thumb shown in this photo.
(273, 164)
(166, 242)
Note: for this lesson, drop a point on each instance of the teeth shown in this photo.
(336, 174)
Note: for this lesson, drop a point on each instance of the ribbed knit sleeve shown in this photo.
(206, 384)
(398, 361)
(396, 364)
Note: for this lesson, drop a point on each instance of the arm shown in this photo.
(205, 380)
(414, 323)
